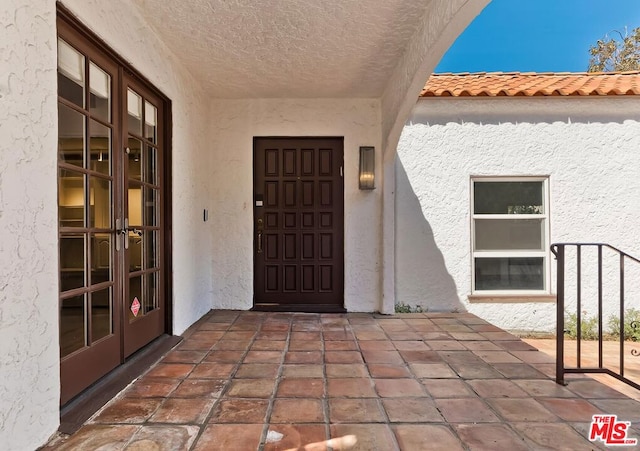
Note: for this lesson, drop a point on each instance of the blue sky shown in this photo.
(537, 35)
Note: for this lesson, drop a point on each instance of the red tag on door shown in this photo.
(135, 306)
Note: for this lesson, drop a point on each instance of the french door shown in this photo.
(298, 224)
(110, 208)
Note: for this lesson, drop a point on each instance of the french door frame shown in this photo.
(105, 356)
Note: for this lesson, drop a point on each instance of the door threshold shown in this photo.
(74, 414)
(299, 308)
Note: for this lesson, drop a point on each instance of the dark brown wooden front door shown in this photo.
(298, 224)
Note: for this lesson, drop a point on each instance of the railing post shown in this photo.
(622, 337)
(600, 351)
(559, 253)
(579, 305)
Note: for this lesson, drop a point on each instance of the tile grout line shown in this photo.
(394, 438)
(205, 422)
(325, 387)
(267, 416)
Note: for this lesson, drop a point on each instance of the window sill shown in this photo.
(511, 298)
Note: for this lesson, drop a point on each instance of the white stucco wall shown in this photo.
(233, 125)
(29, 369)
(587, 147)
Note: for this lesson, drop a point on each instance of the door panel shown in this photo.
(298, 223)
(88, 314)
(142, 301)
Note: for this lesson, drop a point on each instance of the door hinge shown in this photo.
(341, 175)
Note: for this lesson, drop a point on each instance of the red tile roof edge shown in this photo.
(529, 84)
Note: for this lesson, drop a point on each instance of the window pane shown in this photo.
(70, 73)
(100, 202)
(100, 314)
(510, 273)
(100, 148)
(135, 204)
(72, 262)
(150, 250)
(150, 206)
(100, 93)
(71, 198)
(150, 121)
(134, 108)
(135, 251)
(509, 234)
(508, 197)
(150, 163)
(70, 136)
(101, 261)
(150, 291)
(72, 325)
(134, 160)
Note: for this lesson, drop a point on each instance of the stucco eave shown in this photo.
(485, 110)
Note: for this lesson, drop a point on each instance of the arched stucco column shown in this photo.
(443, 22)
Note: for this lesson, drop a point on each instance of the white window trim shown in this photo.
(545, 253)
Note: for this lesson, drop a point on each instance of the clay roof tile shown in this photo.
(515, 84)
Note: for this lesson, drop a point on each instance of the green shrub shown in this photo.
(631, 318)
(588, 326)
(401, 307)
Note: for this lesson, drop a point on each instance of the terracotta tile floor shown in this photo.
(278, 381)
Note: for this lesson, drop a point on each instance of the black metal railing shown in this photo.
(559, 250)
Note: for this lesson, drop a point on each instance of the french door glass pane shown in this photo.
(101, 259)
(71, 198)
(72, 325)
(150, 164)
(72, 262)
(134, 160)
(100, 93)
(506, 273)
(150, 292)
(150, 249)
(100, 203)
(134, 109)
(135, 252)
(150, 206)
(100, 148)
(150, 122)
(70, 136)
(101, 306)
(508, 197)
(509, 234)
(135, 204)
(70, 73)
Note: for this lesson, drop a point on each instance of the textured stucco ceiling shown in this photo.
(287, 48)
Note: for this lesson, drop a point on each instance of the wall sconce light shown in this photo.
(366, 178)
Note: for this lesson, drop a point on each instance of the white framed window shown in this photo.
(510, 235)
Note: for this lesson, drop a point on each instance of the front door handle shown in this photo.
(259, 242)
